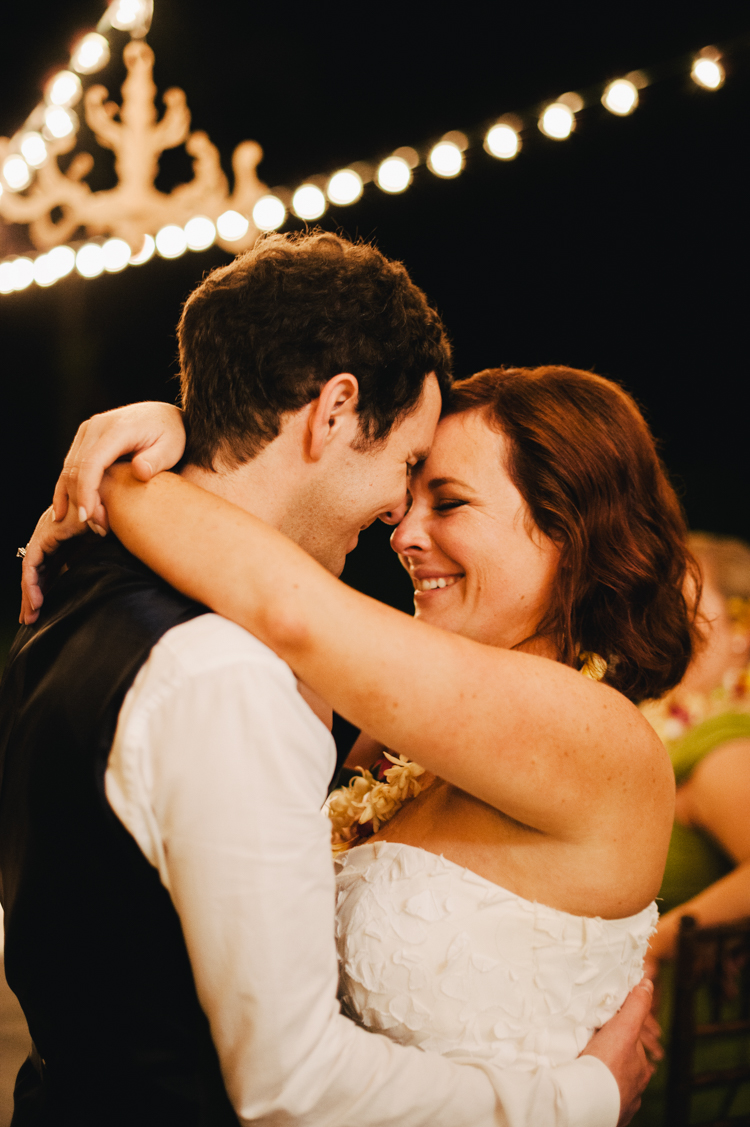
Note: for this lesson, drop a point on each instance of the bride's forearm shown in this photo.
(498, 724)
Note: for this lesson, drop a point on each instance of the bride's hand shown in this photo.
(152, 432)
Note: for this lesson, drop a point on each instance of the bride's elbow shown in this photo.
(286, 630)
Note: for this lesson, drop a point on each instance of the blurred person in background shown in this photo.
(705, 725)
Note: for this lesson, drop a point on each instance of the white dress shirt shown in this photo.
(219, 770)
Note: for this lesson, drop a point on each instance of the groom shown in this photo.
(165, 868)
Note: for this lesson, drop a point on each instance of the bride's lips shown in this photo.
(425, 585)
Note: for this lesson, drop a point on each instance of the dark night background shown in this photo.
(622, 249)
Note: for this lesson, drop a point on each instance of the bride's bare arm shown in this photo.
(506, 727)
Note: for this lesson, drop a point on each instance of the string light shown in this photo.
(199, 232)
(44, 271)
(707, 71)
(145, 253)
(33, 149)
(59, 122)
(445, 159)
(22, 272)
(115, 255)
(269, 213)
(91, 54)
(131, 15)
(171, 241)
(502, 141)
(557, 121)
(64, 89)
(393, 175)
(620, 97)
(62, 260)
(308, 202)
(345, 187)
(90, 260)
(6, 277)
(232, 226)
(16, 173)
(28, 152)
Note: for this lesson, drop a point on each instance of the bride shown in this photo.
(505, 908)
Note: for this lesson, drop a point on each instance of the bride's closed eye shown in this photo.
(446, 506)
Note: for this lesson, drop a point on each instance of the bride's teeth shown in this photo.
(432, 584)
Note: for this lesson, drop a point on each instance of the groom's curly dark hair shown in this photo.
(261, 336)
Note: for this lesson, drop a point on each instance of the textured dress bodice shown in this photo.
(437, 956)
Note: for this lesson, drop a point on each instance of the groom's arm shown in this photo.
(218, 770)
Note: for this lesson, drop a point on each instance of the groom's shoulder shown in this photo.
(212, 643)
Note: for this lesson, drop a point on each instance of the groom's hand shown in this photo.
(39, 566)
(619, 1045)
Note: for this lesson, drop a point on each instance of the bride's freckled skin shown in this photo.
(479, 564)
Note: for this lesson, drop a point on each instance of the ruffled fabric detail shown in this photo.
(437, 956)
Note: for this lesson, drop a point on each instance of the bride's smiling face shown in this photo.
(479, 564)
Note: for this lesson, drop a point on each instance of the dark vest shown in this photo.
(94, 948)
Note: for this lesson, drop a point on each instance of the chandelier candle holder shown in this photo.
(135, 209)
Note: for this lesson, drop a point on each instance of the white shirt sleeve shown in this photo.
(219, 770)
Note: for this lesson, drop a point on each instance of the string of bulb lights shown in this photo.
(54, 118)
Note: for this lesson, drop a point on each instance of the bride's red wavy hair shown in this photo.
(585, 462)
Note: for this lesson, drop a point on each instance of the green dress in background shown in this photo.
(694, 862)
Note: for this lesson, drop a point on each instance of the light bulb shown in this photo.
(62, 260)
(44, 271)
(23, 273)
(445, 159)
(90, 260)
(269, 213)
(131, 15)
(16, 173)
(557, 121)
(502, 141)
(344, 187)
(59, 122)
(34, 149)
(308, 202)
(708, 73)
(232, 226)
(393, 175)
(620, 97)
(116, 255)
(91, 54)
(145, 253)
(64, 89)
(171, 241)
(7, 285)
(199, 232)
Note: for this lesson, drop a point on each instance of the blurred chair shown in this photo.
(709, 1076)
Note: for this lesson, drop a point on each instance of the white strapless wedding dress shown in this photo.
(436, 956)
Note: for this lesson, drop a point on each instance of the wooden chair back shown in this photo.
(713, 963)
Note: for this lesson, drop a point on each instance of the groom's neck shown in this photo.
(267, 486)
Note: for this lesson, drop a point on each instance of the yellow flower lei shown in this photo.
(370, 800)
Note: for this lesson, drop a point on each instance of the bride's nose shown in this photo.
(411, 534)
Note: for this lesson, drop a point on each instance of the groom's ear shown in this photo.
(333, 415)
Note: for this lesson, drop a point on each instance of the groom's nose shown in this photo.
(394, 516)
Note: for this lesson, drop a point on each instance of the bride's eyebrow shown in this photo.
(436, 482)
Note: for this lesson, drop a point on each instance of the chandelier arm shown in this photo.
(107, 131)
